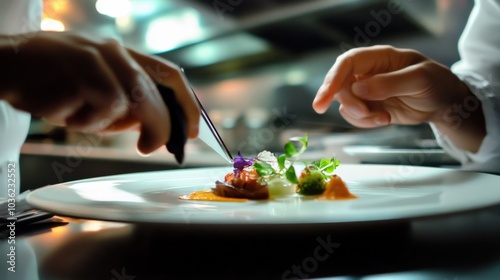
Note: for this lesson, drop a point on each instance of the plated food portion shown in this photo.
(267, 176)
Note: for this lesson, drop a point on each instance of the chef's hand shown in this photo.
(382, 85)
(93, 85)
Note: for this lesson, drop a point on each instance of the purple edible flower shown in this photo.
(240, 162)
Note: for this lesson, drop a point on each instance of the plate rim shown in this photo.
(32, 201)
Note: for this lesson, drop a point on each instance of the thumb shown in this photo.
(405, 82)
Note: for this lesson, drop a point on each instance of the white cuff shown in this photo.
(487, 158)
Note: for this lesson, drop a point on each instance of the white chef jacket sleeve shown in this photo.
(16, 17)
(479, 69)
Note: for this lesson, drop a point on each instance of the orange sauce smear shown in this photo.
(336, 189)
(208, 195)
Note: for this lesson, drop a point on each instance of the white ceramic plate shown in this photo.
(386, 192)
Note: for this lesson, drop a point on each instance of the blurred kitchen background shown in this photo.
(256, 66)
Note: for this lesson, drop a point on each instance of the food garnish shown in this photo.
(267, 176)
(242, 184)
(336, 189)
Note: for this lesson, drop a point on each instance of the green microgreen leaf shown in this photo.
(327, 166)
(291, 176)
(290, 149)
(281, 161)
(304, 141)
(293, 149)
(314, 164)
(263, 168)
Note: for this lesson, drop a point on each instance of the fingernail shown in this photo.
(357, 111)
(316, 104)
(360, 88)
(141, 153)
(316, 99)
(319, 94)
(319, 110)
(380, 120)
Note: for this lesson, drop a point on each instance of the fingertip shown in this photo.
(143, 149)
(356, 111)
(194, 131)
(382, 119)
(376, 119)
(147, 142)
(318, 107)
(322, 100)
(360, 89)
(140, 152)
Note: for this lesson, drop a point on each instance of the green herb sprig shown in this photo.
(326, 166)
(292, 153)
(295, 147)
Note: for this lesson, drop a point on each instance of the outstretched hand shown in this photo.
(94, 85)
(382, 85)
